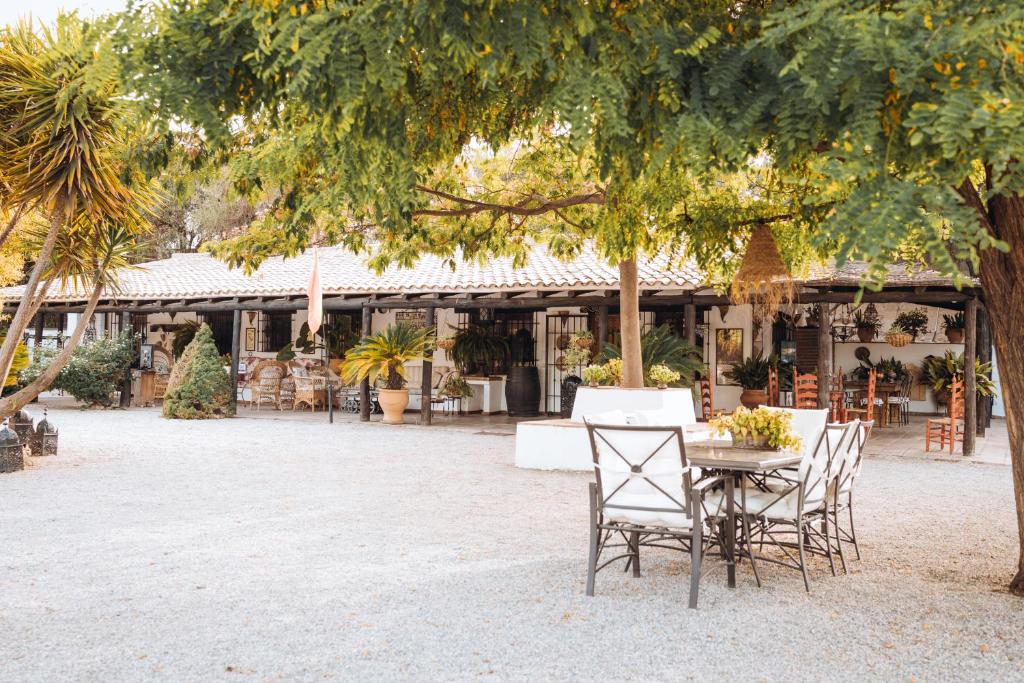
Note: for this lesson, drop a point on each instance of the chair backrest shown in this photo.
(707, 399)
(641, 471)
(852, 455)
(805, 390)
(906, 386)
(870, 407)
(163, 361)
(269, 369)
(819, 467)
(956, 398)
(837, 398)
(808, 424)
(773, 386)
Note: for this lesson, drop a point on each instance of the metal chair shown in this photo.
(901, 401)
(793, 501)
(645, 496)
(847, 470)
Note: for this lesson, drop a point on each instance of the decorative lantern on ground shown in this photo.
(44, 441)
(22, 425)
(12, 455)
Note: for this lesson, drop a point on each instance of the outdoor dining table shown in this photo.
(722, 457)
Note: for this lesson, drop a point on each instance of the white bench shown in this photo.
(563, 444)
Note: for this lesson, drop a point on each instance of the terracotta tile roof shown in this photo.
(897, 275)
(200, 276)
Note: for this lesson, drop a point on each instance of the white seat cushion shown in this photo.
(768, 503)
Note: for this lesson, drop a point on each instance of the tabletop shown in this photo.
(723, 455)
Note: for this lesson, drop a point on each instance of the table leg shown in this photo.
(730, 531)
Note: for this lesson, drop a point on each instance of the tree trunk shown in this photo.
(629, 325)
(1002, 278)
(29, 301)
(15, 402)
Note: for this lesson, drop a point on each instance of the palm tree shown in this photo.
(63, 128)
(385, 354)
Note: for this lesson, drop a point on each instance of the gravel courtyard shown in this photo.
(274, 550)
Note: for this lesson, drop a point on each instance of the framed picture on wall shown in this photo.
(416, 318)
(146, 357)
(728, 351)
(250, 339)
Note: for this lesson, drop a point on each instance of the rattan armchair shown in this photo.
(265, 385)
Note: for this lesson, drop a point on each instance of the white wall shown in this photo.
(728, 397)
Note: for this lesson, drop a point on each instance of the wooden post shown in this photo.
(236, 334)
(984, 346)
(427, 382)
(602, 328)
(824, 354)
(40, 319)
(364, 386)
(690, 323)
(126, 383)
(970, 382)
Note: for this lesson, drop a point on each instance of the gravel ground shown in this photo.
(273, 550)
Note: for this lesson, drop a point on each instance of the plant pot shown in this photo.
(752, 398)
(758, 441)
(594, 385)
(393, 402)
(335, 365)
(955, 335)
(582, 343)
(866, 334)
(569, 386)
(662, 385)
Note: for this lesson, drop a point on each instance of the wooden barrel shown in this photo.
(522, 391)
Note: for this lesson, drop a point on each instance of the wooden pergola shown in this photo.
(821, 294)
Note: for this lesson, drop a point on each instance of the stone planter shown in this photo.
(393, 402)
(752, 398)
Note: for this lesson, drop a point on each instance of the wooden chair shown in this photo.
(805, 390)
(948, 429)
(866, 410)
(837, 398)
(773, 387)
(265, 383)
(707, 399)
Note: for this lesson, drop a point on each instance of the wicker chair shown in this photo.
(265, 382)
(310, 389)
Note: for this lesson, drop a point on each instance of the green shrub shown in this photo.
(96, 371)
(199, 388)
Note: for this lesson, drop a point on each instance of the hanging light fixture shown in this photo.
(763, 279)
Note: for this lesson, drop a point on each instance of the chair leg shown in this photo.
(828, 544)
(595, 537)
(696, 541)
(748, 541)
(839, 539)
(800, 546)
(634, 542)
(853, 532)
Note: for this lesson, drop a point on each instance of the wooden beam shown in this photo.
(602, 327)
(824, 354)
(364, 386)
(690, 323)
(427, 380)
(970, 381)
(236, 337)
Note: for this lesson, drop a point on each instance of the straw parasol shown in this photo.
(763, 279)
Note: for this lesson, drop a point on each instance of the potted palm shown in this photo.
(752, 375)
(954, 327)
(382, 357)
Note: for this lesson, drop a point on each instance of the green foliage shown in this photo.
(18, 365)
(456, 387)
(285, 353)
(199, 388)
(336, 339)
(956, 321)
(867, 319)
(96, 371)
(660, 346)
(940, 371)
(890, 369)
(595, 374)
(913, 322)
(183, 336)
(476, 349)
(759, 427)
(751, 372)
(384, 355)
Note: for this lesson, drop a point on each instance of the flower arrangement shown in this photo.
(613, 370)
(595, 374)
(662, 375)
(759, 428)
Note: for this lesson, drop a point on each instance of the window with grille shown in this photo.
(221, 324)
(275, 330)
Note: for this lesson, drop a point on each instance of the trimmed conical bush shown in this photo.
(199, 388)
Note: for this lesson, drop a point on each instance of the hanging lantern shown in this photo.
(763, 279)
(12, 455)
(44, 441)
(22, 425)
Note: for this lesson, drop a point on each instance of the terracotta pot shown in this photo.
(955, 335)
(866, 334)
(752, 398)
(335, 365)
(393, 402)
(582, 343)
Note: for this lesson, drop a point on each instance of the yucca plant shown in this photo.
(63, 132)
(384, 355)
